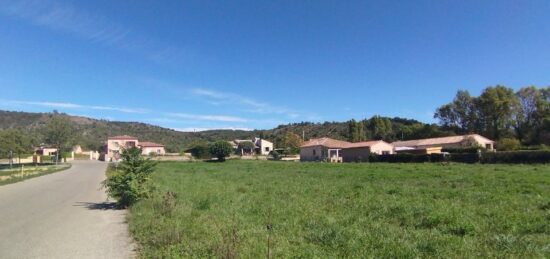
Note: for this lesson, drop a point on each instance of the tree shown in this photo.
(199, 150)
(128, 183)
(380, 127)
(498, 107)
(460, 114)
(246, 146)
(529, 119)
(59, 132)
(508, 144)
(221, 150)
(291, 142)
(14, 142)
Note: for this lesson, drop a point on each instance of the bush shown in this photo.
(221, 150)
(470, 150)
(128, 183)
(517, 157)
(200, 151)
(465, 158)
(152, 154)
(508, 144)
(399, 158)
(275, 155)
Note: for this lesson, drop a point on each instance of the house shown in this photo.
(463, 141)
(418, 151)
(261, 146)
(327, 149)
(322, 149)
(45, 150)
(117, 143)
(356, 152)
(77, 149)
(148, 148)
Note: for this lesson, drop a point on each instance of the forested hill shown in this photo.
(92, 133)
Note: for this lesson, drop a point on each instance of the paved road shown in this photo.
(62, 215)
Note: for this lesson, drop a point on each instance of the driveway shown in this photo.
(62, 215)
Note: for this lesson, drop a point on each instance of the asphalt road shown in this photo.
(62, 215)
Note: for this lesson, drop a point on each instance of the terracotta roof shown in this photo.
(150, 144)
(327, 142)
(333, 143)
(123, 137)
(440, 141)
(365, 144)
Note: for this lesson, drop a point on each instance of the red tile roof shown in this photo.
(441, 141)
(364, 144)
(150, 144)
(326, 142)
(333, 143)
(123, 137)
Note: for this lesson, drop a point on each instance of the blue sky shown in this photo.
(256, 64)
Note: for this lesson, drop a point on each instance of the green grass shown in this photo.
(8, 176)
(318, 210)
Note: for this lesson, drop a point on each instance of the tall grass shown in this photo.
(260, 209)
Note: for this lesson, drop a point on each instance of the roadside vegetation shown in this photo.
(19, 173)
(127, 181)
(259, 209)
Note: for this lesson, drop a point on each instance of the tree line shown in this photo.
(499, 113)
(58, 132)
(511, 117)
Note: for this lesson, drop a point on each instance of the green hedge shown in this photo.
(511, 157)
(516, 157)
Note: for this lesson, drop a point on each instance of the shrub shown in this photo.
(462, 150)
(200, 151)
(275, 155)
(508, 144)
(221, 150)
(524, 157)
(128, 183)
(465, 158)
(152, 154)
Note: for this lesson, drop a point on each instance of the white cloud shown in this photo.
(223, 118)
(250, 105)
(85, 25)
(78, 106)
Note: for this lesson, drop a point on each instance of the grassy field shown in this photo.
(256, 209)
(17, 174)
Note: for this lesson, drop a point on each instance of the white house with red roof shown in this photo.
(116, 144)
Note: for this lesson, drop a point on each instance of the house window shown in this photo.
(314, 152)
(385, 152)
(488, 146)
(158, 151)
(267, 149)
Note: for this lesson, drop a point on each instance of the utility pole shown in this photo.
(303, 135)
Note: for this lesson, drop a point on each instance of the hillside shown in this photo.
(92, 133)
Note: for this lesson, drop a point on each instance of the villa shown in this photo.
(117, 143)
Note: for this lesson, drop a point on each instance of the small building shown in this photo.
(332, 150)
(77, 149)
(322, 149)
(360, 151)
(45, 150)
(463, 141)
(418, 151)
(261, 146)
(117, 143)
(148, 148)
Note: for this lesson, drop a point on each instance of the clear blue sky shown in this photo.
(256, 64)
